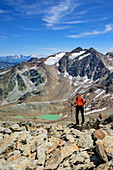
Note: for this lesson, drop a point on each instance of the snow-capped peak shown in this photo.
(34, 56)
(76, 54)
(55, 59)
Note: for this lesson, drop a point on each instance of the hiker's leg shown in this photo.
(82, 114)
(77, 112)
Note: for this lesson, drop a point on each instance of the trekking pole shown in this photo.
(71, 111)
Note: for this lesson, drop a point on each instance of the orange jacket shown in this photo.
(79, 102)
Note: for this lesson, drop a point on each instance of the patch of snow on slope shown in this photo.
(59, 72)
(53, 60)
(70, 77)
(112, 96)
(81, 80)
(106, 95)
(109, 67)
(74, 55)
(66, 74)
(33, 67)
(4, 72)
(93, 111)
(80, 58)
(100, 93)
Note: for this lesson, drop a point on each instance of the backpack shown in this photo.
(81, 100)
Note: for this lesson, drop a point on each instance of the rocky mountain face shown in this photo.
(27, 145)
(58, 78)
(5, 64)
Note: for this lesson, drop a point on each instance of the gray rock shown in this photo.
(101, 153)
(84, 140)
(41, 153)
(95, 159)
(15, 128)
(7, 131)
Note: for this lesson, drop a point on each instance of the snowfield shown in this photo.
(100, 93)
(53, 60)
(74, 55)
(80, 58)
(98, 110)
(4, 72)
(109, 67)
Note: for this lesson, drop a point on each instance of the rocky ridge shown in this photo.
(40, 146)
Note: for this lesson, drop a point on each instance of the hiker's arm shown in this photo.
(84, 102)
(75, 102)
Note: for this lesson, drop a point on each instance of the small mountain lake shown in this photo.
(18, 117)
(49, 117)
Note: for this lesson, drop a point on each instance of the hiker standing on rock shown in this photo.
(79, 107)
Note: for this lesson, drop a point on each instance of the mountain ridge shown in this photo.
(58, 78)
(17, 58)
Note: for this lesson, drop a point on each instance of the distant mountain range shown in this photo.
(16, 58)
(58, 78)
(10, 61)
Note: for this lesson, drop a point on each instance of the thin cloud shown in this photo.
(29, 8)
(108, 28)
(28, 29)
(56, 13)
(1, 11)
(2, 37)
(84, 21)
(52, 49)
(60, 27)
(75, 22)
(16, 35)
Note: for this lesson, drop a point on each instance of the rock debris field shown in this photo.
(26, 146)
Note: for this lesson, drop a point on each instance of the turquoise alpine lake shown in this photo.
(49, 117)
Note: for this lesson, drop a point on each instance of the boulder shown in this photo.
(79, 158)
(98, 134)
(15, 128)
(41, 153)
(95, 159)
(66, 164)
(6, 131)
(84, 140)
(15, 152)
(112, 126)
(107, 144)
(1, 136)
(68, 137)
(104, 166)
(6, 146)
(101, 153)
(59, 155)
(83, 166)
(25, 150)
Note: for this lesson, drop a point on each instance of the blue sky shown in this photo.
(45, 27)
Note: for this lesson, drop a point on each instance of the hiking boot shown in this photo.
(82, 123)
(76, 124)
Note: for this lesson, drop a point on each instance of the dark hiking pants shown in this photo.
(80, 108)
